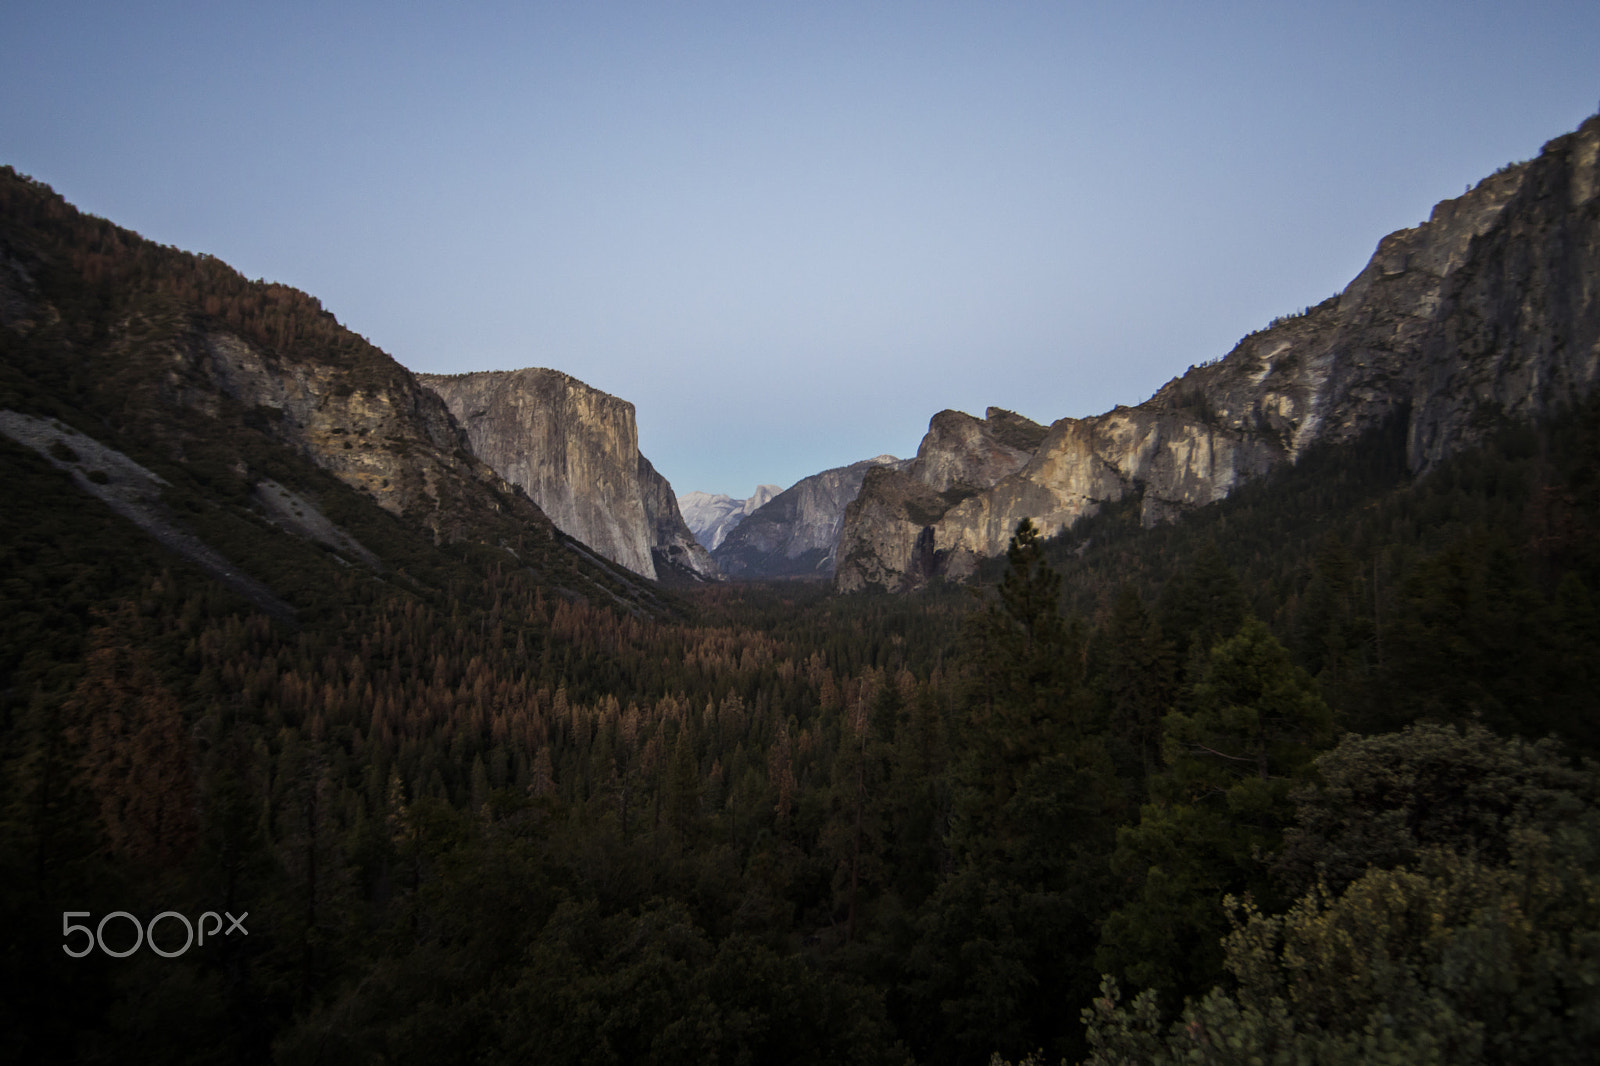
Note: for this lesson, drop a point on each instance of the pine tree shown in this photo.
(1027, 663)
(1204, 605)
(1137, 671)
(1219, 805)
(683, 785)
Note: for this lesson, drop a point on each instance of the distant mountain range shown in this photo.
(796, 533)
(1486, 313)
(712, 516)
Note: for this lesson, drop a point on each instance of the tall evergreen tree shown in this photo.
(1009, 933)
(1217, 807)
(1027, 701)
(1137, 676)
(1204, 604)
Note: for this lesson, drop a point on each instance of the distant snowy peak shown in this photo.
(708, 514)
(711, 516)
(796, 533)
(763, 493)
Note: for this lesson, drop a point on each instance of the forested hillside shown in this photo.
(1312, 757)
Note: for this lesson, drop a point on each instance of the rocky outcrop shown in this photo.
(575, 451)
(374, 428)
(1489, 311)
(887, 528)
(712, 516)
(962, 455)
(796, 533)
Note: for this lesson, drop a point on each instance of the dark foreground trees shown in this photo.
(1469, 934)
(487, 822)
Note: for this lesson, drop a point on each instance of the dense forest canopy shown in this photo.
(1303, 774)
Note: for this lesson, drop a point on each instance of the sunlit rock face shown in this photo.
(711, 516)
(371, 425)
(575, 451)
(1489, 311)
(887, 530)
(796, 533)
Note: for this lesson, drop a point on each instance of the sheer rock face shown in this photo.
(1488, 311)
(575, 451)
(712, 516)
(888, 530)
(796, 533)
(677, 555)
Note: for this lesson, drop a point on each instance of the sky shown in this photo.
(790, 233)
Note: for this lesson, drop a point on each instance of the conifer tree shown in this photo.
(1028, 665)
(683, 785)
(1217, 807)
(1204, 605)
(1137, 674)
(1010, 930)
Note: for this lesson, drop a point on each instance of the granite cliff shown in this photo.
(712, 516)
(796, 533)
(575, 451)
(1486, 312)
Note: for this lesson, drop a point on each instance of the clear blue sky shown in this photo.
(791, 232)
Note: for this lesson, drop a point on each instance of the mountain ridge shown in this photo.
(227, 389)
(1486, 312)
